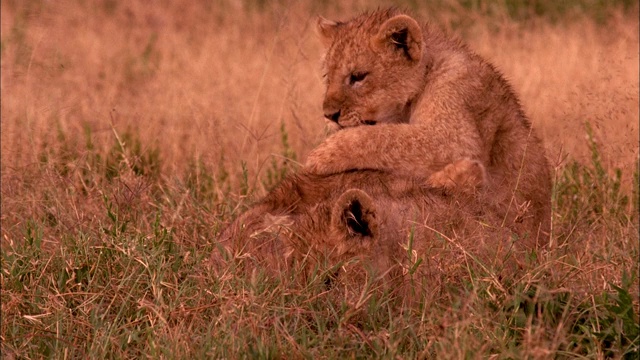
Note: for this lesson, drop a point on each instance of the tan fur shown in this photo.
(466, 175)
(433, 102)
(382, 221)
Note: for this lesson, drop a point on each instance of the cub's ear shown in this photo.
(327, 30)
(401, 33)
(354, 215)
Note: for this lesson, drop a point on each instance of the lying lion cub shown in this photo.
(375, 217)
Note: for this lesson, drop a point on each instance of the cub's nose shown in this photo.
(333, 116)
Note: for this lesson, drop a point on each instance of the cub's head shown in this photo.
(374, 68)
(352, 232)
(349, 227)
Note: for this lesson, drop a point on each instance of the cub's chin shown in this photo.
(331, 127)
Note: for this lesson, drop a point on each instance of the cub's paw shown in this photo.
(340, 152)
(466, 176)
(320, 162)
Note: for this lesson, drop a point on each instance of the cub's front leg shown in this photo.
(403, 149)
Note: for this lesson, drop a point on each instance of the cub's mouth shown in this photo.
(333, 126)
(351, 125)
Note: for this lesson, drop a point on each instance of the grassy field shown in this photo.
(131, 134)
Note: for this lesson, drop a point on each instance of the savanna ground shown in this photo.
(131, 133)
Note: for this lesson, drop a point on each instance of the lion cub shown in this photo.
(433, 102)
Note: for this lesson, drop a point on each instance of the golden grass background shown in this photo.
(210, 83)
(215, 81)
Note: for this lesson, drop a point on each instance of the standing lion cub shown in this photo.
(433, 102)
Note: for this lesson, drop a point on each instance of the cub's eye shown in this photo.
(357, 76)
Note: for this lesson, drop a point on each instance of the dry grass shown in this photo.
(103, 242)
